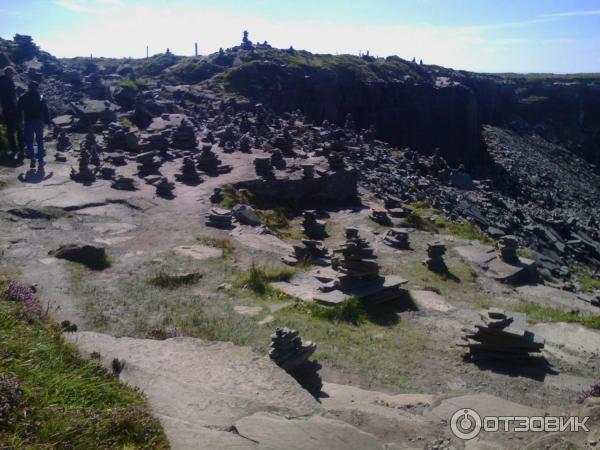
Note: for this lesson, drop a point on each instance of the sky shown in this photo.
(560, 36)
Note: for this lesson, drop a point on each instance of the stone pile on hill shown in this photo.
(277, 159)
(435, 257)
(164, 188)
(84, 174)
(263, 167)
(309, 252)
(118, 137)
(188, 172)
(397, 238)
(380, 216)
(354, 260)
(508, 247)
(158, 141)
(122, 183)
(501, 335)
(184, 136)
(208, 162)
(291, 354)
(148, 163)
(219, 218)
(312, 227)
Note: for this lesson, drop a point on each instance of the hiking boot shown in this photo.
(32, 164)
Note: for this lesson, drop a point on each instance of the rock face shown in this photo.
(89, 255)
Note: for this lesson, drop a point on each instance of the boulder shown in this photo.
(246, 214)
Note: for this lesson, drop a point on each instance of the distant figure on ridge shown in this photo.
(32, 107)
(8, 101)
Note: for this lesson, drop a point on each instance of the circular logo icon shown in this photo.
(465, 424)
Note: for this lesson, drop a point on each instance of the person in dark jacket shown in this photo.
(8, 102)
(32, 107)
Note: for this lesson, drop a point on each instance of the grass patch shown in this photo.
(226, 246)
(414, 220)
(63, 400)
(588, 283)
(351, 311)
(258, 279)
(128, 123)
(463, 229)
(539, 313)
(129, 83)
(169, 281)
(232, 197)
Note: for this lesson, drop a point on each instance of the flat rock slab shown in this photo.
(200, 384)
(570, 337)
(200, 390)
(550, 297)
(485, 259)
(199, 252)
(367, 289)
(261, 242)
(272, 432)
(430, 301)
(484, 404)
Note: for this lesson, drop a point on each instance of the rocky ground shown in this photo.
(174, 289)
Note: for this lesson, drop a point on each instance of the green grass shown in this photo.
(539, 313)
(126, 122)
(351, 311)
(166, 280)
(588, 283)
(66, 402)
(129, 83)
(258, 279)
(232, 197)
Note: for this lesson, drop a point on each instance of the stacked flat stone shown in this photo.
(209, 138)
(284, 142)
(291, 354)
(148, 163)
(107, 172)
(122, 183)
(354, 260)
(393, 205)
(164, 188)
(245, 144)
(501, 335)
(381, 217)
(189, 174)
(435, 261)
(63, 143)
(309, 252)
(217, 196)
(308, 170)
(313, 228)
(84, 174)
(91, 148)
(208, 162)
(277, 159)
(158, 141)
(117, 159)
(115, 137)
(219, 218)
(184, 136)
(336, 161)
(508, 247)
(397, 238)
(263, 167)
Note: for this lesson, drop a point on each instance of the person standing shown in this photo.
(8, 101)
(32, 107)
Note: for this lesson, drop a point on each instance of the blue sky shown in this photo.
(482, 35)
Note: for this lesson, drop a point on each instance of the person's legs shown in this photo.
(11, 129)
(29, 132)
(39, 135)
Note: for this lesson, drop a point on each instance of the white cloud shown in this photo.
(591, 12)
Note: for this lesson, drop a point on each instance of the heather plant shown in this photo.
(24, 294)
(10, 392)
(593, 391)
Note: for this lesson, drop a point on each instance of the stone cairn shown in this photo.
(309, 252)
(245, 144)
(164, 188)
(501, 335)
(263, 167)
(91, 148)
(313, 228)
(184, 136)
(219, 218)
(188, 174)
(397, 238)
(107, 172)
(84, 174)
(158, 142)
(122, 183)
(277, 159)
(291, 354)
(217, 196)
(435, 257)
(394, 208)
(148, 163)
(355, 260)
(63, 144)
(308, 171)
(381, 217)
(336, 161)
(208, 162)
(117, 137)
(508, 247)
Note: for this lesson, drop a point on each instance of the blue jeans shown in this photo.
(35, 126)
